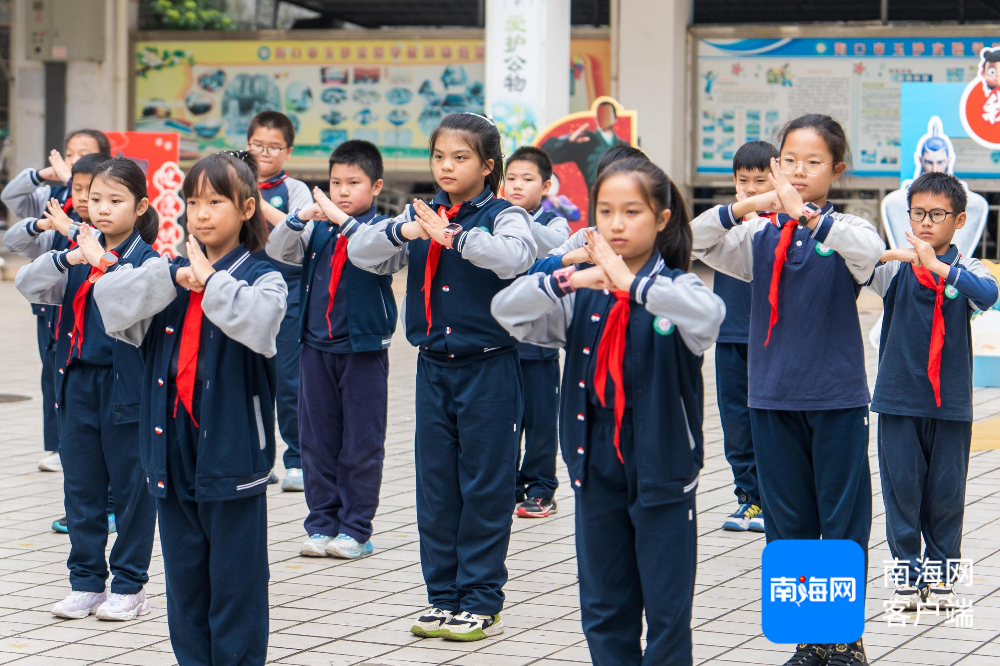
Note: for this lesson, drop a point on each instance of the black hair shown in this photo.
(674, 241)
(231, 174)
(362, 154)
(482, 136)
(828, 128)
(536, 156)
(619, 152)
(991, 55)
(273, 120)
(940, 183)
(755, 156)
(89, 164)
(125, 172)
(103, 145)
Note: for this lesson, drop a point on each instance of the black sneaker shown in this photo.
(61, 526)
(852, 654)
(537, 507)
(810, 654)
(273, 479)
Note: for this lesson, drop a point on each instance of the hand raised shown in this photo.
(432, 223)
(576, 136)
(185, 278)
(200, 264)
(62, 171)
(789, 198)
(57, 217)
(89, 246)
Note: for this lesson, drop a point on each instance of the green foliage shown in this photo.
(190, 15)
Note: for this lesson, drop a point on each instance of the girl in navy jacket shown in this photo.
(207, 325)
(634, 326)
(462, 248)
(97, 397)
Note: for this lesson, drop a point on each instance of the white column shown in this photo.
(26, 95)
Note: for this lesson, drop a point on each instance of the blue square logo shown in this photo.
(813, 591)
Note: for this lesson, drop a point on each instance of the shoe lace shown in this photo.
(805, 653)
(842, 654)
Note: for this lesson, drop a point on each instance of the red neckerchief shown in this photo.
(79, 308)
(337, 262)
(272, 182)
(187, 355)
(787, 229)
(68, 205)
(926, 278)
(430, 268)
(610, 359)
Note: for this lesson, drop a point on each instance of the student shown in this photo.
(634, 326)
(923, 393)
(346, 323)
(97, 397)
(271, 139)
(207, 325)
(751, 167)
(528, 178)
(461, 248)
(807, 268)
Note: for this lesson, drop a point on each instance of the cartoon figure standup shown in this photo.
(989, 71)
(934, 153)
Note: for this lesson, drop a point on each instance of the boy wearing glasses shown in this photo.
(923, 393)
(271, 138)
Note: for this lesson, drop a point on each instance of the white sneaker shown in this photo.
(123, 607)
(430, 623)
(293, 481)
(471, 627)
(78, 605)
(315, 546)
(906, 598)
(349, 548)
(51, 463)
(940, 596)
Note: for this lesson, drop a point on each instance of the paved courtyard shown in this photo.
(327, 612)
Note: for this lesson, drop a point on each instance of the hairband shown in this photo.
(487, 117)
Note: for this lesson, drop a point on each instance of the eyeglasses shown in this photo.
(811, 167)
(266, 151)
(938, 215)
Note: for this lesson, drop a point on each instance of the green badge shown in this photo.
(951, 292)
(663, 326)
(277, 201)
(823, 250)
(486, 229)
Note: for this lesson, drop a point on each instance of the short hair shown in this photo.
(536, 156)
(103, 145)
(363, 154)
(89, 164)
(755, 156)
(273, 120)
(940, 183)
(991, 55)
(617, 153)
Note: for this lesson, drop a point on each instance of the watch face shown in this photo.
(453, 228)
(811, 208)
(110, 258)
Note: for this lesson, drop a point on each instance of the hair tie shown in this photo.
(241, 155)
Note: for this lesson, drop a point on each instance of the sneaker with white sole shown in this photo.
(906, 598)
(293, 481)
(757, 523)
(470, 627)
(123, 607)
(940, 596)
(315, 546)
(78, 605)
(739, 520)
(51, 463)
(347, 547)
(429, 624)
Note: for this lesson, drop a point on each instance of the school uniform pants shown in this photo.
(96, 450)
(623, 549)
(343, 400)
(815, 479)
(287, 393)
(923, 463)
(466, 445)
(536, 473)
(731, 386)
(50, 416)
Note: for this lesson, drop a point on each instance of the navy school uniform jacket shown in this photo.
(495, 246)
(244, 301)
(51, 280)
(818, 330)
(549, 230)
(286, 195)
(27, 240)
(902, 386)
(673, 319)
(27, 196)
(363, 317)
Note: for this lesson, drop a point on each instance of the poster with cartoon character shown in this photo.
(980, 105)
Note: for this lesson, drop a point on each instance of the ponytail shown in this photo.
(675, 241)
(148, 225)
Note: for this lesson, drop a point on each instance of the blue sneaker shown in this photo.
(61, 525)
(757, 522)
(739, 520)
(112, 525)
(315, 546)
(348, 547)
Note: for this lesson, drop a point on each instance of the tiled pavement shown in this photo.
(333, 613)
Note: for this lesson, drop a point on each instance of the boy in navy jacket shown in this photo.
(527, 181)
(923, 392)
(346, 322)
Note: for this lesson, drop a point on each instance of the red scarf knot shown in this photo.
(430, 268)
(780, 252)
(926, 278)
(187, 355)
(610, 360)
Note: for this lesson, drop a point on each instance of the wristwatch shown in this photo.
(810, 210)
(107, 259)
(450, 232)
(563, 281)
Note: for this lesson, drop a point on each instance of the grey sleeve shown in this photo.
(855, 240)
(689, 305)
(287, 244)
(26, 195)
(575, 241)
(25, 240)
(551, 235)
(882, 276)
(508, 251)
(531, 312)
(43, 280)
(249, 314)
(724, 245)
(299, 195)
(130, 297)
(369, 247)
